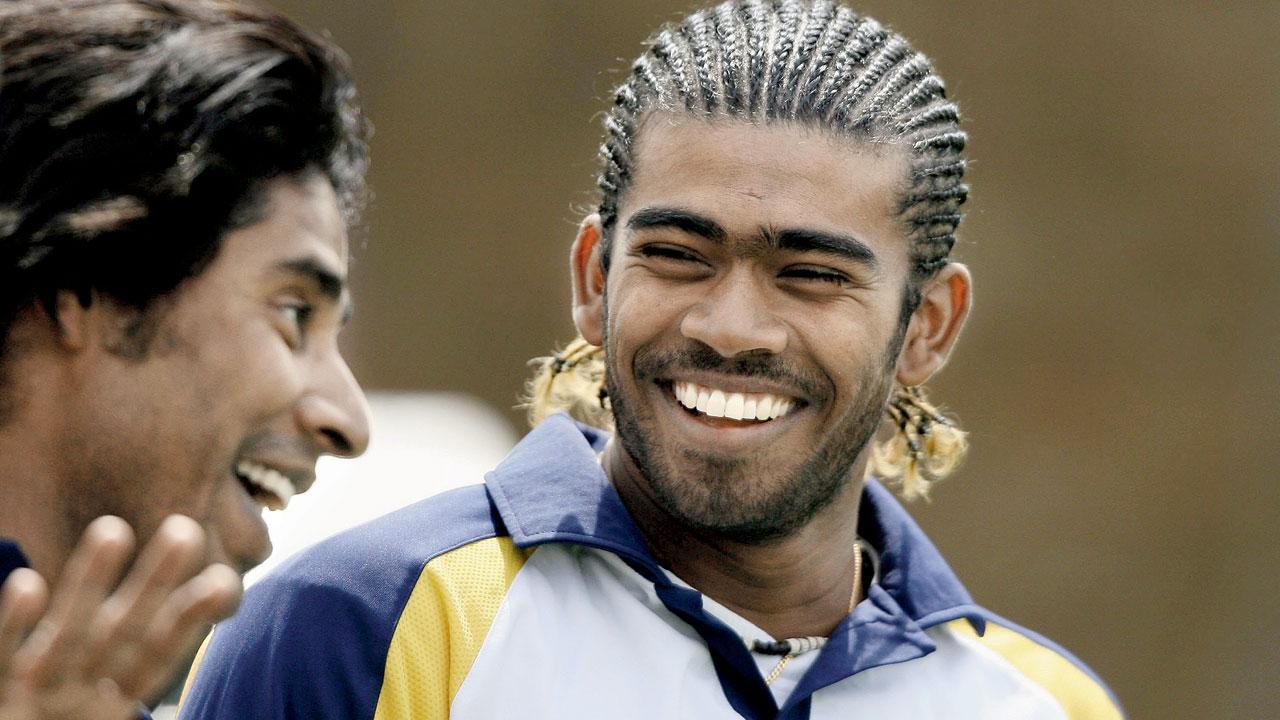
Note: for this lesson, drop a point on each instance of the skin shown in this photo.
(112, 632)
(757, 259)
(244, 365)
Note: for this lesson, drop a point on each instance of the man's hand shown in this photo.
(99, 644)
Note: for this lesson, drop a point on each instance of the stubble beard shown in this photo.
(716, 494)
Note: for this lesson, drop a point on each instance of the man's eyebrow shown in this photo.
(843, 246)
(692, 223)
(330, 284)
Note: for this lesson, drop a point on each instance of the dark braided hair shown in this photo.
(807, 61)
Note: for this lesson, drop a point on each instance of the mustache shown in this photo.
(699, 357)
(276, 444)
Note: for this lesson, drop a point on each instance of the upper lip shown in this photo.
(736, 384)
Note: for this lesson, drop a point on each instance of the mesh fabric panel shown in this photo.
(442, 627)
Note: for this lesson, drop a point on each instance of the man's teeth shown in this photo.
(735, 406)
(269, 481)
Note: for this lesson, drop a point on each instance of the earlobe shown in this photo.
(935, 325)
(588, 280)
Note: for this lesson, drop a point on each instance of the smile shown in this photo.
(713, 402)
(267, 486)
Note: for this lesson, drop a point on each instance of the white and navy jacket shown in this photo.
(534, 596)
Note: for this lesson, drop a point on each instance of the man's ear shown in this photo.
(73, 321)
(585, 262)
(931, 334)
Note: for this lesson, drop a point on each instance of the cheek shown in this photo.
(254, 371)
(849, 352)
(635, 315)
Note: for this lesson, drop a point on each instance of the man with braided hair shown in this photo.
(177, 180)
(764, 287)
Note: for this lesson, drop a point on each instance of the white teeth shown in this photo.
(780, 409)
(267, 480)
(687, 395)
(764, 408)
(715, 406)
(732, 405)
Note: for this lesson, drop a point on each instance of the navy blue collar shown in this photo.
(551, 488)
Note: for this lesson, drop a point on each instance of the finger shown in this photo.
(57, 644)
(178, 627)
(22, 601)
(169, 559)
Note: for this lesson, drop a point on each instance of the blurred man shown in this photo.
(763, 289)
(178, 179)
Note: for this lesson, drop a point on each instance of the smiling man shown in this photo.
(178, 180)
(761, 293)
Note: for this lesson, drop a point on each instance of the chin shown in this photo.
(729, 499)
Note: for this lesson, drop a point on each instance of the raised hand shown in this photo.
(99, 645)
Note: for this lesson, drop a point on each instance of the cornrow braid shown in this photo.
(697, 31)
(816, 25)
(755, 18)
(820, 64)
(834, 39)
(790, 17)
(867, 37)
(852, 110)
(732, 47)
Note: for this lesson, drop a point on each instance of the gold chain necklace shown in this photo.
(791, 647)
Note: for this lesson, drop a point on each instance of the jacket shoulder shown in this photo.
(312, 639)
(1081, 694)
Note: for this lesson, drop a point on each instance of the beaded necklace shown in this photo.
(792, 647)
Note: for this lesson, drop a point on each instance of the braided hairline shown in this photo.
(729, 38)
(834, 39)
(790, 22)
(817, 24)
(810, 61)
(694, 31)
(755, 18)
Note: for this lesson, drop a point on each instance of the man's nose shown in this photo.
(735, 318)
(336, 413)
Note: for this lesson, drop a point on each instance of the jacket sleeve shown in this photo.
(381, 622)
(299, 647)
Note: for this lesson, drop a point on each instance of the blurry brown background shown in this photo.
(1119, 375)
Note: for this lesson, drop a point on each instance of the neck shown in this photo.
(798, 585)
(33, 503)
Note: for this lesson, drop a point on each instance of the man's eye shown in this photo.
(667, 251)
(297, 316)
(816, 273)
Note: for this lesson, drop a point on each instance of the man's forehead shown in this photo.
(750, 177)
(720, 136)
(299, 234)
(305, 210)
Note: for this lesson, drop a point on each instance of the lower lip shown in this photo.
(255, 538)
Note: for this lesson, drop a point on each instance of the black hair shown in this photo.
(807, 61)
(135, 133)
